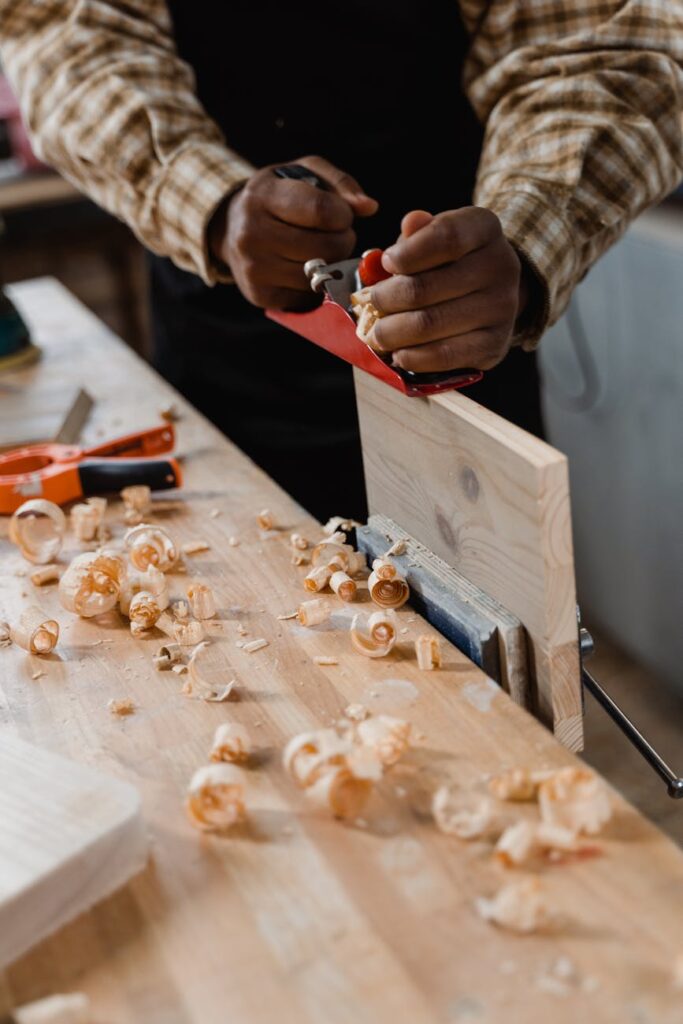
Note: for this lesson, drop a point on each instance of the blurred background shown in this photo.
(613, 394)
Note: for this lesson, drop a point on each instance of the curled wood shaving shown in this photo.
(428, 652)
(337, 523)
(166, 656)
(519, 907)
(318, 578)
(167, 623)
(35, 631)
(180, 670)
(397, 548)
(384, 568)
(256, 645)
(207, 673)
(37, 528)
(5, 634)
(526, 840)
(231, 742)
(189, 633)
(337, 789)
(144, 612)
(151, 545)
(343, 586)
(389, 737)
(518, 784)
(195, 547)
(388, 593)
(71, 1008)
(181, 610)
(121, 708)
(85, 522)
(266, 520)
(376, 637)
(575, 799)
(299, 542)
(137, 501)
(202, 601)
(366, 315)
(465, 814)
(215, 798)
(92, 583)
(312, 613)
(46, 574)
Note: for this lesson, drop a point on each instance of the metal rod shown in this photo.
(673, 782)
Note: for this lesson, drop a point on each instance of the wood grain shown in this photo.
(493, 502)
(300, 918)
(70, 837)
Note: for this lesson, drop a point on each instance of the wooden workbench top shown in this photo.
(299, 917)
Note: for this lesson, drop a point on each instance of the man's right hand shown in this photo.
(272, 226)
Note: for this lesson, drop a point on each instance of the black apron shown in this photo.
(376, 89)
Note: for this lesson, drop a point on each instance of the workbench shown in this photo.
(300, 917)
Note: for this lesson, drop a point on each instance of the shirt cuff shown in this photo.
(196, 182)
(541, 236)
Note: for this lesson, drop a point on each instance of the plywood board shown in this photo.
(493, 502)
(69, 837)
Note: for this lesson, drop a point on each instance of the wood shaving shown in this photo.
(397, 548)
(519, 907)
(575, 799)
(526, 840)
(266, 520)
(181, 610)
(388, 593)
(143, 612)
(121, 708)
(298, 542)
(152, 581)
(187, 634)
(151, 545)
(343, 586)
(376, 636)
(71, 1008)
(384, 568)
(166, 656)
(37, 528)
(170, 413)
(137, 501)
(231, 742)
(234, 542)
(428, 652)
(356, 712)
(366, 315)
(337, 523)
(5, 634)
(312, 613)
(208, 675)
(465, 814)
(38, 674)
(215, 798)
(241, 630)
(300, 558)
(337, 789)
(85, 522)
(202, 601)
(92, 583)
(318, 578)
(289, 615)
(518, 784)
(256, 645)
(325, 659)
(35, 631)
(389, 737)
(180, 670)
(195, 547)
(46, 574)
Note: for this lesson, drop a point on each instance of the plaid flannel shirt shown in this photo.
(581, 102)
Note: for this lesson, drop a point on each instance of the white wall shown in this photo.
(618, 414)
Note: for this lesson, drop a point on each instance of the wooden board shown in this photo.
(493, 502)
(478, 626)
(70, 836)
(299, 918)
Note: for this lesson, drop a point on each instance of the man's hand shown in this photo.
(267, 231)
(456, 295)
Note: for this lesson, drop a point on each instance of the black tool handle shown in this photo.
(100, 476)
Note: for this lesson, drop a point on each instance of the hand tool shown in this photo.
(63, 473)
(332, 326)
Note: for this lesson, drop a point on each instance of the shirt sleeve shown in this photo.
(582, 106)
(110, 104)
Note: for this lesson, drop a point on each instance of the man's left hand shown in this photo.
(456, 294)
